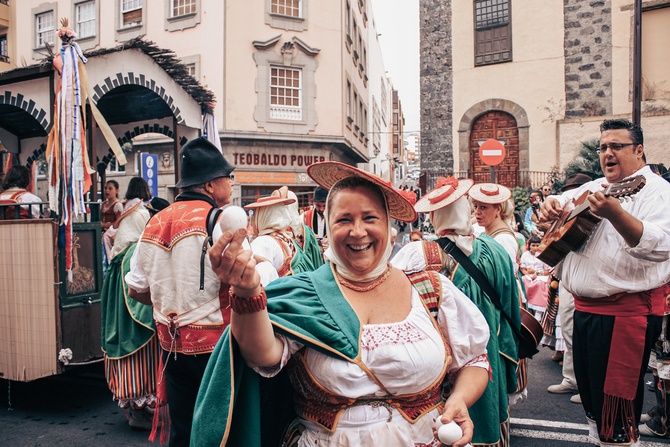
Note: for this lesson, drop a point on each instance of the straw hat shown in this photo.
(278, 197)
(328, 173)
(489, 193)
(447, 191)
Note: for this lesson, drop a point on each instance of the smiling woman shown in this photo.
(355, 382)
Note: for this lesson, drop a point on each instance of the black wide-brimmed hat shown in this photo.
(200, 162)
(575, 181)
(157, 204)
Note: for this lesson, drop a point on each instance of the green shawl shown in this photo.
(492, 408)
(127, 325)
(309, 307)
(311, 247)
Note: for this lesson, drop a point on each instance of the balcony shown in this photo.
(285, 113)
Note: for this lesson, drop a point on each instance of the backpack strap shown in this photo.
(212, 219)
(429, 286)
(502, 230)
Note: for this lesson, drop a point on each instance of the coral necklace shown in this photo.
(383, 277)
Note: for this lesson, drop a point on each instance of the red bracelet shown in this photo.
(248, 304)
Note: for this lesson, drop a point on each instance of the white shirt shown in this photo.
(606, 265)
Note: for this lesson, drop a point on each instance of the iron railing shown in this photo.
(509, 178)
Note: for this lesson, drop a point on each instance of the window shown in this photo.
(44, 25)
(181, 14)
(493, 32)
(355, 105)
(183, 7)
(289, 8)
(285, 93)
(85, 14)
(190, 68)
(4, 54)
(115, 167)
(347, 20)
(131, 12)
(348, 99)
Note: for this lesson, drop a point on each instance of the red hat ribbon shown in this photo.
(442, 182)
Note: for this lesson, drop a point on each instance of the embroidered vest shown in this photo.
(321, 406)
(190, 319)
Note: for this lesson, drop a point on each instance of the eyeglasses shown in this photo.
(615, 147)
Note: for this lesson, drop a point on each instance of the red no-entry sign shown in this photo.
(492, 152)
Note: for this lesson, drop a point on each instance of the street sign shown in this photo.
(492, 152)
(149, 171)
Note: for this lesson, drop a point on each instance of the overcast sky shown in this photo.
(398, 23)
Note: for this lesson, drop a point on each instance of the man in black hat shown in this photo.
(171, 272)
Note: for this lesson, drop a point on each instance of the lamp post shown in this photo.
(637, 62)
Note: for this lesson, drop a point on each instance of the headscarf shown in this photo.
(453, 222)
(294, 214)
(270, 219)
(332, 255)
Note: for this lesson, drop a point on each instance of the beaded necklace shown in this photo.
(383, 277)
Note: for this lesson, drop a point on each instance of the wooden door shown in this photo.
(501, 126)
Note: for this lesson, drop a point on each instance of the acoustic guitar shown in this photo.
(571, 230)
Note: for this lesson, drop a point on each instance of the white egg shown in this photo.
(449, 433)
(232, 219)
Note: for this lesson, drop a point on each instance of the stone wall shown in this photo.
(588, 58)
(437, 157)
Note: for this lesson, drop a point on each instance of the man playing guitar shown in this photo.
(617, 278)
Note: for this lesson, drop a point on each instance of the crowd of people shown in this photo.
(327, 328)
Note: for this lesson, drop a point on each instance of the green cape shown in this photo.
(492, 408)
(311, 247)
(127, 325)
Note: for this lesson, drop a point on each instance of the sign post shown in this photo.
(492, 153)
(149, 171)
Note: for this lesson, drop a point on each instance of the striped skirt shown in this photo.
(132, 379)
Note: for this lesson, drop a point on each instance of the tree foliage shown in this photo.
(586, 162)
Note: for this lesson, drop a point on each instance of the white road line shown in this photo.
(566, 437)
(551, 424)
(537, 434)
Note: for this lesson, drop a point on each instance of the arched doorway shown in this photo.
(500, 126)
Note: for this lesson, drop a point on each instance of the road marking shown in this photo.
(551, 424)
(567, 437)
(537, 434)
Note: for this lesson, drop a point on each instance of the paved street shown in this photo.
(76, 410)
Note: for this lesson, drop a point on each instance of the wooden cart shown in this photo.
(47, 322)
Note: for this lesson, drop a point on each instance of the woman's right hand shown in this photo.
(233, 265)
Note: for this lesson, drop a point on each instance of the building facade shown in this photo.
(292, 82)
(539, 77)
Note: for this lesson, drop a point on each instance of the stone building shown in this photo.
(537, 76)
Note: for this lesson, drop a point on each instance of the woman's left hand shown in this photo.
(456, 409)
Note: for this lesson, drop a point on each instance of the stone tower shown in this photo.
(437, 156)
